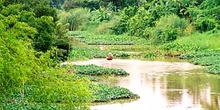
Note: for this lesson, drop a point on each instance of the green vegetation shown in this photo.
(34, 39)
(98, 70)
(27, 73)
(108, 93)
(195, 43)
(88, 53)
(34, 106)
(210, 59)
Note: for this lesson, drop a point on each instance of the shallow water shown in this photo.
(163, 85)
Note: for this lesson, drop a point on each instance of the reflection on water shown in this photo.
(164, 86)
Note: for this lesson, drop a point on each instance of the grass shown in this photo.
(200, 48)
(92, 39)
(82, 53)
(194, 43)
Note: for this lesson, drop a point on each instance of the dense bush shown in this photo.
(204, 24)
(205, 16)
(168, 28)
(26, 78)
(76, 18)
(126, 14)
(29, 76)
(42, 19)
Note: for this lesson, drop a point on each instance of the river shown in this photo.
(163, 85)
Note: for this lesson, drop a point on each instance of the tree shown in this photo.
(30, 76)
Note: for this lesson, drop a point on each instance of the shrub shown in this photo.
(105, 27)
(204, 24)
(75, 18)
(168, 28)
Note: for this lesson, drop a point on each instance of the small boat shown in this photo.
(110, 56)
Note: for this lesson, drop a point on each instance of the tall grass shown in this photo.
(195, 42)
(207, 53)
(205, 39)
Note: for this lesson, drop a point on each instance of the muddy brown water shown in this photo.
(163, 85)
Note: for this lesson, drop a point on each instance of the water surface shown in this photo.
(163, 85)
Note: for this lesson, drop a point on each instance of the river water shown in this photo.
(163, 85)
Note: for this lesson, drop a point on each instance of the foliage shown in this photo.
(114, 5)
(182, 47)
(75, 18)
(206, 61)
(214, 69)
(44, 39)
(98, 70)
(91, 4)
(104, 27)
(78, 34)
(38, 106)
(126, 14)
(16, 61)
(88, 53)
(27, 78)
(57, 3)
(194, 43)
(205, 15)
(168, 28)
(46, 28)
(27, 75)
(113, 40)
(107, 40)
(148, 54)
(205, 58)
(199, 55)
(206, 24)
(139, 20)
(106, 93)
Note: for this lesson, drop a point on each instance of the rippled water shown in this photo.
(163, 85)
